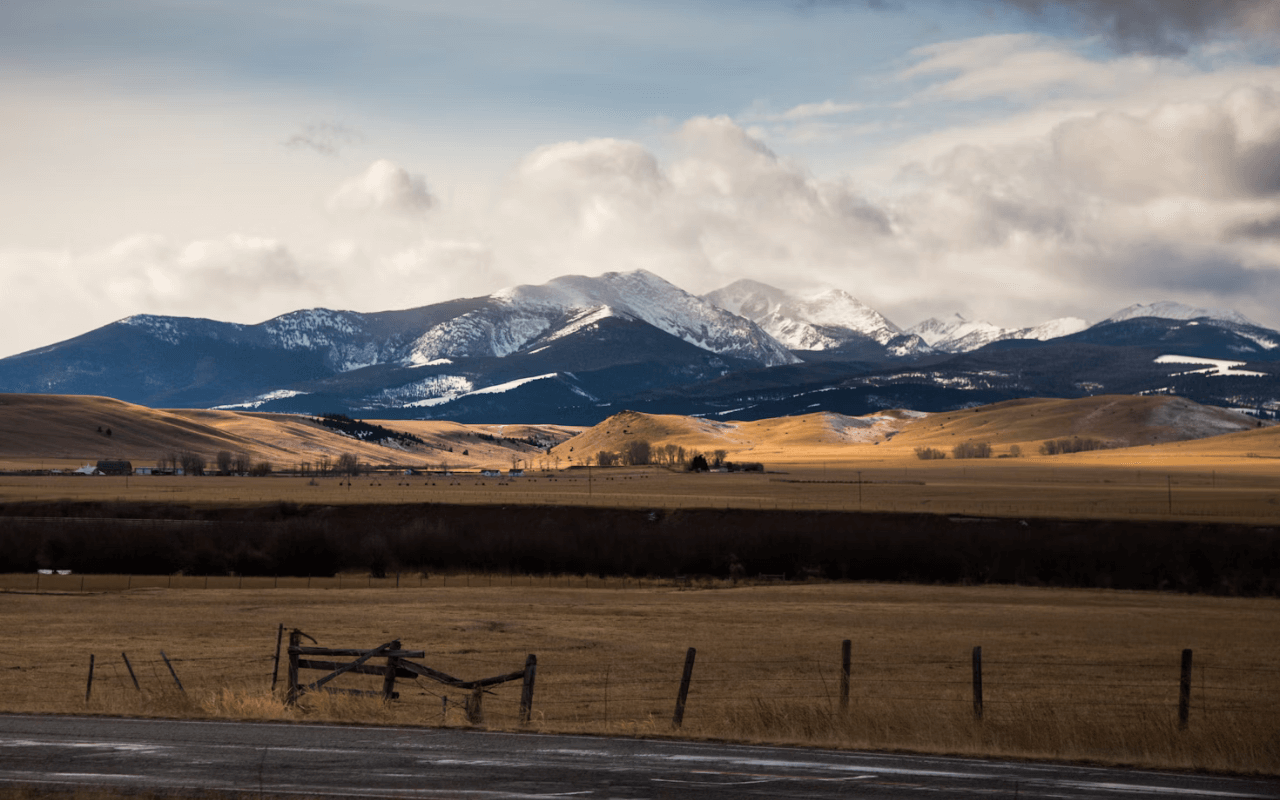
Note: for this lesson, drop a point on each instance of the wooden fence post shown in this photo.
(275, 670)
(389, 674)
(295, 641)
(526, 693)
(88, 687)
(129, 667)
(977, 683)
(1184, 691)
(172, 672)
(475, 706)
(682, 698)
(846, 659)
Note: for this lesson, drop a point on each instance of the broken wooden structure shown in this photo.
(397, 664)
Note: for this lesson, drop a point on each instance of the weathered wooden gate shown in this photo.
(397, 665)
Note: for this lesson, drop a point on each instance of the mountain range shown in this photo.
(577, 349)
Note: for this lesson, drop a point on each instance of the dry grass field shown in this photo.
(1079, 675)
(1107, 485)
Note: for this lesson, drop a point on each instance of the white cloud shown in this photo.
(383, 188)
(1025, 66)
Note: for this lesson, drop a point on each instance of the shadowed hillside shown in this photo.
(68, 429)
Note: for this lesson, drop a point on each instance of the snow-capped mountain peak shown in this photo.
(815, 321)
(955, 334)
(1167, 309)
(517, 316)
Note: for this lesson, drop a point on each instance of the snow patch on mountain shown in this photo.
(1212, 366)
(860, 429)
(585, 319)
(434, 387)
(262, 399)
(1053, 329)
(313, 329)
(500, 388)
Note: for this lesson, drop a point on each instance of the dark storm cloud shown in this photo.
(1164, 27)
(1257, 229)
(325, 138)
(1172, 271)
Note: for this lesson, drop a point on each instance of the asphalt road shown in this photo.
(338, 761)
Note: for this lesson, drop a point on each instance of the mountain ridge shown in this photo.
(577, 348)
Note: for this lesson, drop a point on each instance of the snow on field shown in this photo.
(860, 429)
(1212, 366)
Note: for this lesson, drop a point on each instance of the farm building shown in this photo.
(112, 467)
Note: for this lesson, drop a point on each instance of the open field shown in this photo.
(1108, 485)
(1081, 675)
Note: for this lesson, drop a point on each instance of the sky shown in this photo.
(1009, 160)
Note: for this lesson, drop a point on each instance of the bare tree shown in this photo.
(718, 457)
(636, 452)
(347, 464)
(192, 463)
(224, 462)
(241, 464)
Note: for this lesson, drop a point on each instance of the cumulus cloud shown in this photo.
(723, 206)
(1179, 200)
(385, 188)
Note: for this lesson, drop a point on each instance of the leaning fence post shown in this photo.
(1184, 691)
(526, 693)
(129, 667)
(977, 683)
(678, 719)
(389, 674)
(295, 641)
(88, 687)
(846, 659)
(172, 672)
(275, 670)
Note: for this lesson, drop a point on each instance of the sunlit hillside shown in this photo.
(1116, 421)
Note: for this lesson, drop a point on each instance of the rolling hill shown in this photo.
(1118, 420)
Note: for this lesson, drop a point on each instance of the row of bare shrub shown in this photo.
(287, 539)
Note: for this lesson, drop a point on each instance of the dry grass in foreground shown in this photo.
(1072, 675)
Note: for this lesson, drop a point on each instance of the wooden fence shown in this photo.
(398, 664)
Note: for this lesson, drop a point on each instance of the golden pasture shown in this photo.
(1068, 674)
(1092, 486)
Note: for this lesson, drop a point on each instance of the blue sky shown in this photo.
(1013, 160)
